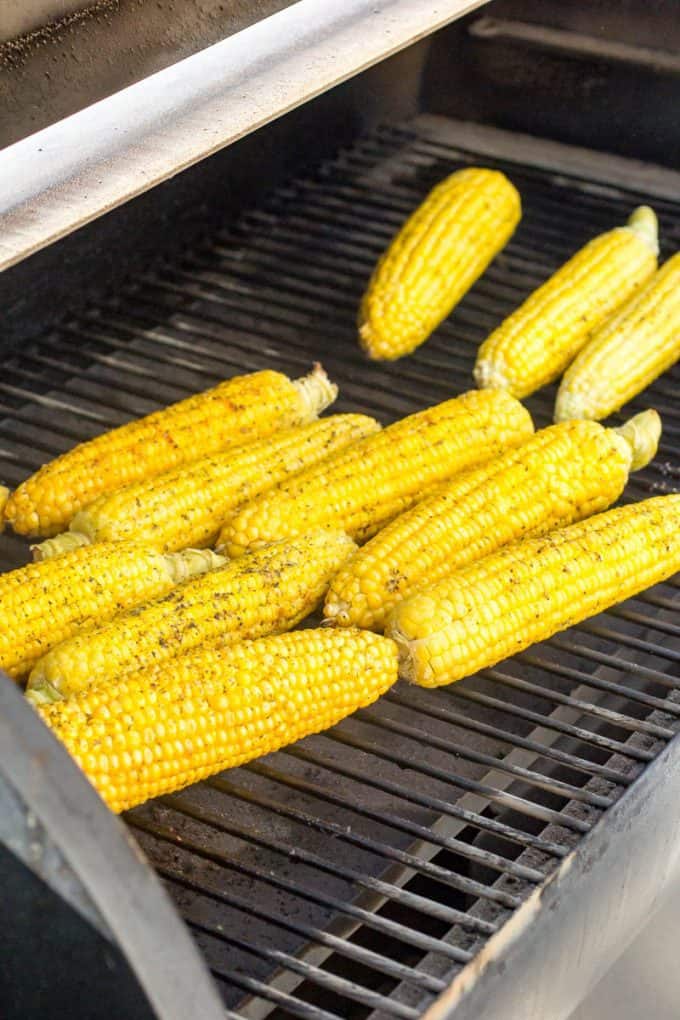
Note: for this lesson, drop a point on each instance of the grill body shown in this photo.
(482, 851)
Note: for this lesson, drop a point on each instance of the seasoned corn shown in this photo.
(536, 343)
(363, 487)
(187, 506)
(628, 352)
(45, 603)
(167, 726)
(527, 591)
(562, 474)
(239, 410)
(266, 592)
(444, 246)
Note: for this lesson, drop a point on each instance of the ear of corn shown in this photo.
(43, 604)
(188, 505)
(562, 474)
(444, 246)
(4, 496)
(628, 352)
(266, 592)
(235, 412)
(363, 487)
(531, 589)
(166, 727)
(536, 343)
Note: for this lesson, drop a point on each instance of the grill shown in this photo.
(359, 872)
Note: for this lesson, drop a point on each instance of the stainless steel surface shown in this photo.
(644, 981)
(361, 871)
(57, 67)
(64, 176)
(25, 16)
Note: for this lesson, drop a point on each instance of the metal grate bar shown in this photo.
(481, 857)
(617, 718)
(625, 665)
(460, 751)
(442, 875)
(575, 732)
(499, 797)
(541, 750)
(436, 804)
(385, 889)
(603, 685)
(344, 947)
(628, 641)
(339, 986)
(380, 924)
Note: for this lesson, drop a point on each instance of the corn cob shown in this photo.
(444, 246)
(239, 410)
(628, 352)
(562, 474)
(363, 487)
(43, 604)
(4, 496)
(531, 589)
(536, 343)
(165, 727)
(188, 505)
(267, 592)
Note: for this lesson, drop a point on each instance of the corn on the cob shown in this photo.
(531, 589)
(444, 246)
(536, 343)
(266, 592)
(363, 487)
(628, 352)
(166, 727)
(562, 474)
(233, 413)
(43, 604)
(4, 496)
(188, 505)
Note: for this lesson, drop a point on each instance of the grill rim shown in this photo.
(527, 951)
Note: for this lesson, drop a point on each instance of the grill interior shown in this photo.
(354, 874)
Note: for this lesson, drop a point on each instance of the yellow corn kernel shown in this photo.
(213, 709)
(628, 352)
(187, 506)
(536, 343)
(4, 496)
(562, 474)
(363, 487)
(444, 246)
(529, 590)
(239, 410)
(266, 592)
(43, 604)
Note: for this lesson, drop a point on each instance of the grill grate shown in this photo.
(356, 873)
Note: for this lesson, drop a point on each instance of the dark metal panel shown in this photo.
(602, 75)
(84, 845)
